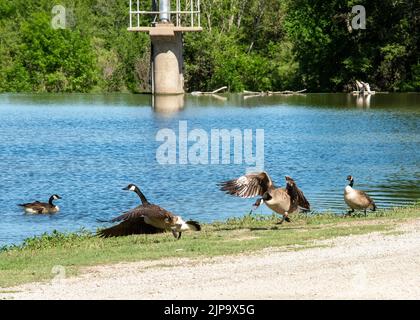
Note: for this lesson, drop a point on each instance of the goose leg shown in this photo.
(350, 212)
(256, 205)
(179, 235)
(365, 213)
(285, 217)
(281, 221)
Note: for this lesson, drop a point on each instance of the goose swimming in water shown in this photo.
(357, 199)
(42, 207)
(147, 218)
(281, 200)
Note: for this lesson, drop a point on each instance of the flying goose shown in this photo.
(357, 199)
(281, 200)
(42, 207)
(147, 218)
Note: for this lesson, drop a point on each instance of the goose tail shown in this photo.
(193, 225)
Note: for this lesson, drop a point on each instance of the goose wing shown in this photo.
(133, 221)
(297, 197)
(249, 185)
(31, 204)
(144, 211)
(128, 227)
(364, 195)
(37, 206)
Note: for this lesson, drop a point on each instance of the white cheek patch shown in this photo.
(132, 188)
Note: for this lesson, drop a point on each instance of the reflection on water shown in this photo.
(363, 101)
(168, 103)
(87, 147)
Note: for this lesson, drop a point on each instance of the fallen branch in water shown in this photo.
(252, 94)
(199, 93)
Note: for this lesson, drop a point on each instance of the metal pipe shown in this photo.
(138, 16)
(131, 17)
(192, 13)
(198, 13)
(164, 10)
(178, 5)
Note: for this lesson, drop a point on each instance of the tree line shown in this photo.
(256, 45)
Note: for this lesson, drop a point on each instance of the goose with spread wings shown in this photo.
(147, 218)
(281, 200)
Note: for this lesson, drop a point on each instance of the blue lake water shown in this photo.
(87, 147)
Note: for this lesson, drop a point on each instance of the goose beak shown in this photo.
(126, 188)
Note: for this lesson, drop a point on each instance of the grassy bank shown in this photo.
(35, 258)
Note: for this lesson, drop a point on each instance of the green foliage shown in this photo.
(331, 54)
(93, 53)
(56, 60)
(246, 44)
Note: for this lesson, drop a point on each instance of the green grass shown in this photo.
(35, 258)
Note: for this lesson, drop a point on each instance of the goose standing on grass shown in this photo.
(357, 199)
(281, 200)
(42, 207)
(147, 218)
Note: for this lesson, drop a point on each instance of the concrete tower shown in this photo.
(165, 25)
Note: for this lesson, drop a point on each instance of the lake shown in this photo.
(87, 147)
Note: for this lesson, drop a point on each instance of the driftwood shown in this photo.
(252, 94)
(199, 93)
(362, 88)
(365, 93)
(211, 93)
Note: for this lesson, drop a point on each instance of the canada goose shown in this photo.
(42, 207)
(357, 199)
(281, 200)
(148, 218)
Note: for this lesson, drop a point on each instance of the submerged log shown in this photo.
(199, 93)
(251, 94)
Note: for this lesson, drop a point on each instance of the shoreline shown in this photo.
(42, 259)
(349, 267)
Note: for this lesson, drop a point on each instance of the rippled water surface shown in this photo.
(86, 148)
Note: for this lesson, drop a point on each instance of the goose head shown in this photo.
(351, 180)
(290, 181)
(53, 197)
(131, 187)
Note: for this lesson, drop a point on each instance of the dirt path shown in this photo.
(356, 267)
